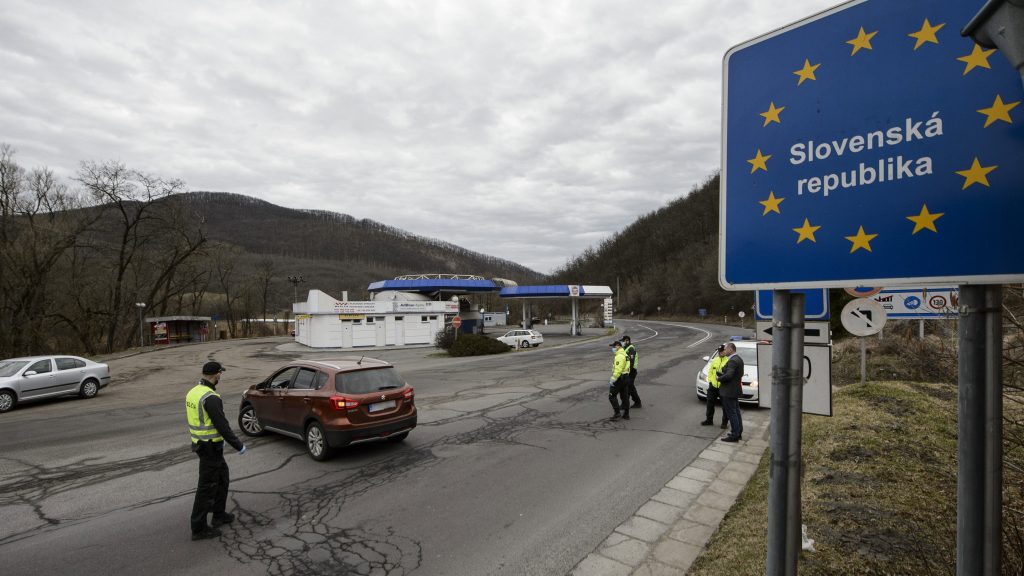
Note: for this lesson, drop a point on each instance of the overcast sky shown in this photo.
(527, 130)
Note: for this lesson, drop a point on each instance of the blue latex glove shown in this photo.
(242, 451)
(611, 382)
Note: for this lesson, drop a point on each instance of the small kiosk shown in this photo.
(179, 329)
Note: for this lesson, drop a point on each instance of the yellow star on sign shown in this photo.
(771, 204)
(998, 111)
(925, 220)
(861, 41)
(976, 174)
(807, 72)
(806, 232)
(978, 58)
(759, 161)
(772, 115)
(861, 240)
(926, 34)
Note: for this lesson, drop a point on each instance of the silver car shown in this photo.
(37, 377)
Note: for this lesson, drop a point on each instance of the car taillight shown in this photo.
(408, 394)
(342, 403)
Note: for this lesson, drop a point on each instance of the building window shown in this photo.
(369, 319)
(423, 318)
(433, 317)
(399, 318)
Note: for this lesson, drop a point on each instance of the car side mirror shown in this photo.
(30, 373)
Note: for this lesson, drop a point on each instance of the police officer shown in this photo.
(630, 349)
(209, 429)
(717, 363)
(618, 384)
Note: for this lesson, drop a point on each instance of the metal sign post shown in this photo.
(980, 448)
(787, 411)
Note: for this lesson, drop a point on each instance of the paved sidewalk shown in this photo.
(665, 536)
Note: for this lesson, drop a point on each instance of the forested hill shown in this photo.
(666, 258)
(314, 243)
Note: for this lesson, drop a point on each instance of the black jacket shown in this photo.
(730, 378)
(215, 410)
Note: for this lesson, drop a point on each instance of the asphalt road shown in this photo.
(513, 469)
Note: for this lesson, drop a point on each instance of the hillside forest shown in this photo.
(77, 257)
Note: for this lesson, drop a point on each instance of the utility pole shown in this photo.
(295, 286)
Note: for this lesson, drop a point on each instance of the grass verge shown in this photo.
(878, 489)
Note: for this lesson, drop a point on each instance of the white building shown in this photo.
(391, 319)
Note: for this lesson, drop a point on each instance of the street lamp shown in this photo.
(141, 306)
(295, 286)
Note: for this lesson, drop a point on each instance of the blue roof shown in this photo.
(552, 291)
(434, 285)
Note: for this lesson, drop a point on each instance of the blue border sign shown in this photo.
(815, 304)
(871, 145)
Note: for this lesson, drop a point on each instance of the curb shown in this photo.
(666, 534)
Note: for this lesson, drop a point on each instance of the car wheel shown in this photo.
(316, 442)
(249, 422)
(396, 438)
(7, 400)
(524, 344)
(89, 389)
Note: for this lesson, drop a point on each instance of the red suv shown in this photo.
(331, 403)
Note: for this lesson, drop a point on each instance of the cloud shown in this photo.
(528, 130)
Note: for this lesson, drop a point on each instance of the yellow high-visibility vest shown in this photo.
(717, 363)
(620, 365)
(200, 427)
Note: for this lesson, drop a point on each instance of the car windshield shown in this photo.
(10, 368)
(366, 381)
(749, 356)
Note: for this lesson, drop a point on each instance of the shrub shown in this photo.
(476, 345)
(445, 338)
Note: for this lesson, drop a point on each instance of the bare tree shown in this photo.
(40, 222)
(129, 198)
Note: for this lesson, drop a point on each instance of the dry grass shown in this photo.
(879, 489)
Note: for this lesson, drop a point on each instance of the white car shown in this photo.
(747, 349)
(522, 338)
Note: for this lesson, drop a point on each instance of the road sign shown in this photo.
(920, 303)
(868, 145)
(863, 317)
(815, 304)
(862, 291)
(817, 372)
(814, 332)
(457, 322)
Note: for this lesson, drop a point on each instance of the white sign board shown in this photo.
(817, 374)
(919, 303)
(863, 317)
(814, 332)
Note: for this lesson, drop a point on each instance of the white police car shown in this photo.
(747, 349)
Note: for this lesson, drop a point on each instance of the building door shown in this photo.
(382, 330)
(399, 331)
(346, 333)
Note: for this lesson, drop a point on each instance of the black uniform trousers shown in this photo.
(212, 491)
(632, 387)
(620, 391)
(709, 413)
